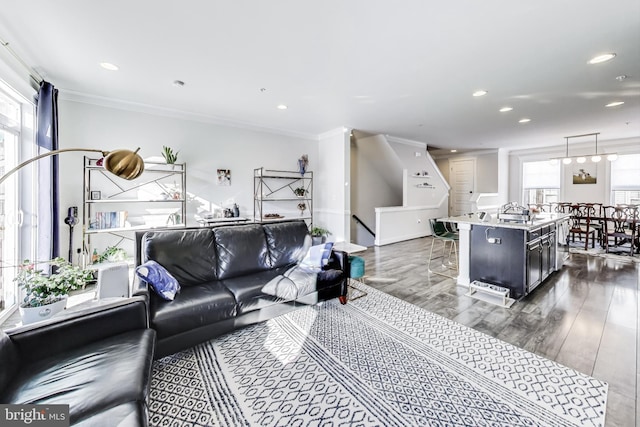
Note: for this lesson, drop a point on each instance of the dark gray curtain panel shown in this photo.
(47, 140)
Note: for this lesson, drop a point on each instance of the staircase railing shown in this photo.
(359, 221)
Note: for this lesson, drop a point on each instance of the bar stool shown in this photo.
(441, 233)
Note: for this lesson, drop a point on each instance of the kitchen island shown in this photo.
(517, 256)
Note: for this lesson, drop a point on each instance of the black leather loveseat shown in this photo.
(97, 361)
(223, 271)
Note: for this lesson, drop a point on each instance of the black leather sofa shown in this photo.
(222, 272)
(97, 361)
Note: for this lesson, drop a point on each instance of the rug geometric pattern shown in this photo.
(375, 361)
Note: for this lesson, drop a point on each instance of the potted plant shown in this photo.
(46, 294)
(300, 191)
(112, 254)
(169, 156)
(319, 235)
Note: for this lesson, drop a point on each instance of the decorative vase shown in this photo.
(44, 312)
(302, 166)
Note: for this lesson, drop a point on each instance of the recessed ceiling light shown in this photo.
(602, 58)
(480, 93)
(178, 83)
(614, 104)
(621, 77)
(525, 120)
(505, 109)
(109, 66)
(282, 107)
(454, 151)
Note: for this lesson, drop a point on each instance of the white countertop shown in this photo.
(539, 220)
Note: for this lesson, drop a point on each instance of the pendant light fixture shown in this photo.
(595, 158)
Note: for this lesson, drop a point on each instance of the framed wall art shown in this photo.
(224, 177)
(585, 174)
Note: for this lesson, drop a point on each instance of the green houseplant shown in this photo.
(112, 254)
(319, 235)
(169, 156)
(299, 191)
(47, 293)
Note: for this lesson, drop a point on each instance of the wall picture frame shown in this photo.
(585, 174)
(224, 177)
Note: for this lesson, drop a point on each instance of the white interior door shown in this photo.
(462, 177)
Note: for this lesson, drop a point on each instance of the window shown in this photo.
(625, 180)
(16, 142)
(540, 182)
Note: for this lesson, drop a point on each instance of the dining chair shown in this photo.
(579, 223)
(619, 227)
(633, 216)
(596, 219)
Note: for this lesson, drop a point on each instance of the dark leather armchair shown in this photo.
(97, 361)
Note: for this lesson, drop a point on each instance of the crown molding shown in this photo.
(334, 132)
(119, 104)
(406, 141)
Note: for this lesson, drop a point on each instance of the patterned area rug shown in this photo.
(377, 361)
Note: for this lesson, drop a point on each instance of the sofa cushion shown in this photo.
(189, 255)
(241, 250)
(194, 306)
(288, 242)
(90, 379)
(248, 290)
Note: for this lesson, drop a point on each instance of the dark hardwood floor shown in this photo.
(584, 316)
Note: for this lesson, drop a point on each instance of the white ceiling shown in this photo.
(405, 68)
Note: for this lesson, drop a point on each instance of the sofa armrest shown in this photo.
(78, 328)
(140, 288)
(339, 260)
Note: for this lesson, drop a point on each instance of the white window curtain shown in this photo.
(625, 172)
(540, 175)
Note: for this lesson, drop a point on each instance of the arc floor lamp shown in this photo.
(123, 163)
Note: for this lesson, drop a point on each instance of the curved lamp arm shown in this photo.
(126, 164)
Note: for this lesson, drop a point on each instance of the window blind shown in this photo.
(625, 172)
(540, 175)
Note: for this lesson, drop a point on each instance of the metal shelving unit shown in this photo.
(114, 208)
(274, 196)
